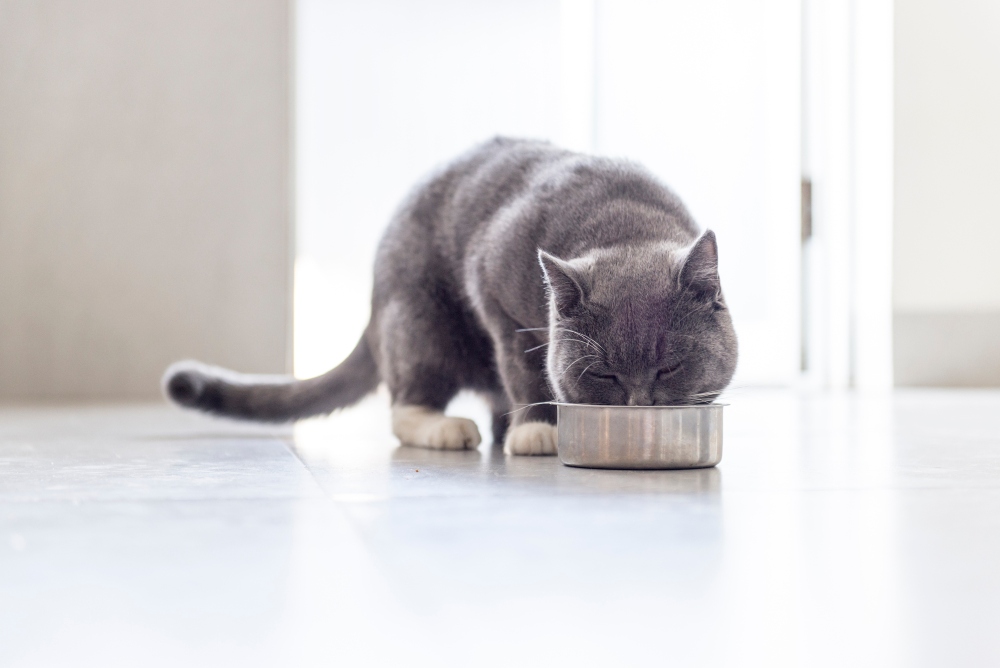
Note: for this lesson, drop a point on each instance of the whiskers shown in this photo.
(580, 377)
(702, 398)
(584, 339)
(566, 335)
(579, 359)
(596, 352)
(562, 340)
(527, 406)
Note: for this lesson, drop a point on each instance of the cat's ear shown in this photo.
(700, 272)
(566, 281)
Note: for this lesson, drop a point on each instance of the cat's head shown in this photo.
(644, 326)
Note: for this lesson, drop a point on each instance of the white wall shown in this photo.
(144, 192)
(947, 225)
(947, 155)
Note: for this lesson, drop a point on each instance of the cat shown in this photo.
(528, 274)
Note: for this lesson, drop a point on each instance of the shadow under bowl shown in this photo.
(640, 437)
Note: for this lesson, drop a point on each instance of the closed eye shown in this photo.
(666, 372)
(606, 376)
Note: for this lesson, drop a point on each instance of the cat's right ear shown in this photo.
(700, 272)
(565, 282)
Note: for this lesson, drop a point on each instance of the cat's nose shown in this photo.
(640, 398)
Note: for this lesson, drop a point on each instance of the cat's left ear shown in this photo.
(700, 272)
(566, 280)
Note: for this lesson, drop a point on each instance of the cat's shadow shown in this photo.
(489, 466)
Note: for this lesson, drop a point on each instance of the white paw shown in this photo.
(531, 438)
(425, 428)
(451, 433)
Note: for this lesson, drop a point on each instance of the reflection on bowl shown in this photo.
(640, 437)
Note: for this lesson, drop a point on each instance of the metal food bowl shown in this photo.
(640, 437)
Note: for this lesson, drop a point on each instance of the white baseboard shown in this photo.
(947, 349)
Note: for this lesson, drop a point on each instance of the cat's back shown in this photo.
(443, 212)
(516, 195)
(531, 193)
(473, 185)
(470, 190)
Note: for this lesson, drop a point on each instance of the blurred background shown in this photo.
(210, 179)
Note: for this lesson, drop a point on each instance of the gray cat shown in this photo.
(528, 274)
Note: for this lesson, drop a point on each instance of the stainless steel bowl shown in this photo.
(640, 437)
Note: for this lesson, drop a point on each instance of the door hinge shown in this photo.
(807, 209)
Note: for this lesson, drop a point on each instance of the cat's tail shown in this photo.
(271, 398)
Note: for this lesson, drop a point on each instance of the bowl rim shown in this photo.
(684, 407)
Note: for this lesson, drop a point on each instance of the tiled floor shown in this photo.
(838, 531)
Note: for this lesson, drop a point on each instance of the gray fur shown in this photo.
(516, 244)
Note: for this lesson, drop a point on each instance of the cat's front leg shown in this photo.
(533, 420)
(415, 338)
